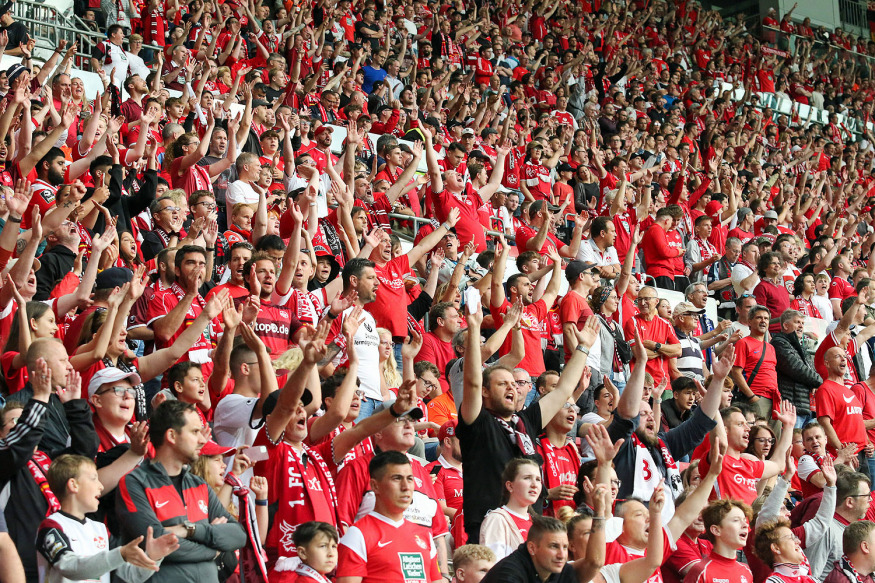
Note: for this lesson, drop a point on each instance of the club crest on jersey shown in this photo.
(203, 506)
(419, 542)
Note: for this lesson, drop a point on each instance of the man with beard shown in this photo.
(647, 457)
(321, 154)
(447, 472)
(218, 150)
(241, 252)
(754, 371)
(535, 313)
(490, 430)
(742, 471)
(58, 259)
(273, 324)
(163, 490)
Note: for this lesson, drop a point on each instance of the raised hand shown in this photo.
(214, 306)
(406, 397)
(588, 334)
(717, 455)
(829, 470)
(241, 463)
(258, 486)
(231, 315)
(312, 342)
(72, 388)
(139, 437)
(251, 309)
(454, 216)
(17, 203)
(41, 381)
(659, 389)
(412, 345)
(787, 414)
(657, 499)
(600, 441)
(436, 260)
(514, 314)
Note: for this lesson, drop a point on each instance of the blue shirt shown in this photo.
(372, 76)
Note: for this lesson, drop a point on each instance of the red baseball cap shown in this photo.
(212, 448)
(448, 429)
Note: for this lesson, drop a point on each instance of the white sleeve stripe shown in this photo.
(354, 540)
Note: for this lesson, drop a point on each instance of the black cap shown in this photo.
(260, 102)
(564, 167)
(538, 206)
(113, 277)
(270, 403)
(414, 413)
(575, 268)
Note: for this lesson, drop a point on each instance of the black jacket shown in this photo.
(518, 567)
(27, 506)
(796, 374)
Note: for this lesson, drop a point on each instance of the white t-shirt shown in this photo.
(585, 449)
(823, 305)
(739, 272)
(239, 191)
(367, 349)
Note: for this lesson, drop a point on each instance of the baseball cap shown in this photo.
(565, 167)
(538, 206)
(488, 132)
(113, 277)
(212, 448)
(259, 102)
(111, 374)
(468, 132)
(448, 429)
(770, 215)
(686, 308)
(534, 144)
(270, 402)
(321, 129)
(575, 268)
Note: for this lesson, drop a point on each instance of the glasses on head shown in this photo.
(764, 440)
(405, 419)
(120, 391)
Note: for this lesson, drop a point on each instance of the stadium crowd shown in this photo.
(224, 359)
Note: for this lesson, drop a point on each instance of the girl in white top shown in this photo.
(504, 529)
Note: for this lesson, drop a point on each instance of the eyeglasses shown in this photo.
(120, 391)
(209, 205)
(769, 440)
(791, 537)
(866, 495)
(173, 209)
(617, 483)
(405, 419)
(523, 383)
(429, 385)
(646, 299)
(571, 406)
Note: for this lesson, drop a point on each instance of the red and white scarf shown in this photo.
(516, 431)
(253, 567)
(38, 466)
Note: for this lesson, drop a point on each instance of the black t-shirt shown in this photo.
(362, 38)
(17, 33)
(486, 450)
(518, 567)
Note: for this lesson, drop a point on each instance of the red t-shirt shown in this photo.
(378, 549)
(390, 307)
(448, 485)
(525, 232)
(840, 289)
(162, 303)
(576, 310)
(533, 321)
(686, 555)
(739, 477)
(719, 569)
(867, 399)
(469, 227)
(841, 405)
(617, 553)
(657, 330)
(659, 253)
(747, 354)
(438, 352)
(820, 364)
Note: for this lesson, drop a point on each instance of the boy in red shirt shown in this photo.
(728, 521)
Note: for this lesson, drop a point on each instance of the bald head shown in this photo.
(52, 351)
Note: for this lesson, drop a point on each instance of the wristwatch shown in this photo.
(656, 347)
(189, 529)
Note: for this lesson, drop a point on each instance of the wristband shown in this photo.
(392, 411)
(582, 348)
(261, 502)
(446, 225)
(210, 248)
(330, 316)
(14, 219)
(594, 517)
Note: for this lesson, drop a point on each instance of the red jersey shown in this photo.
(533, 321)
(448, 483)
(841, 405)
(469, 202)
(748, 352)
(275, 326)
(560, 468)
(574, 309)
(356, 500)
(719, 569)
(537, 180)
(390, 307)
(840, 289)
(379, 549)
(161, 305)
(440, 353)
(688, 553)
(657, 330)
(820, 364)
(739, 477)
(525, 232)
(617, 553)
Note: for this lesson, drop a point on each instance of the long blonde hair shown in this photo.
(390, 366)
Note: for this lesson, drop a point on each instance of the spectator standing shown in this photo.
(744, 273)
(771, 291)
(691, 361)
(656, 334)
(574, 309)
(754, 370)
(659, 253)
(797, 377)
(437, 346)
(599, 247)
(839, 411)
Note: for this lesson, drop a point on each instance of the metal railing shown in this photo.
(48, 27)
